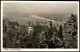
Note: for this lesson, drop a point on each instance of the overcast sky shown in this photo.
(40, 8)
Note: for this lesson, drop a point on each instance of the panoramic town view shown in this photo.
(40, 25)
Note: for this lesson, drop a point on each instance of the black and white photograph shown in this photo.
(40, 25)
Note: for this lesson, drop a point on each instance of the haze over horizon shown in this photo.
(39, 8)
(53, 11)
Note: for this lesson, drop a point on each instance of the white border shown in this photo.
(23, 49)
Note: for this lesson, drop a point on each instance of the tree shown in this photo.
(72, 24)
(60, 32)
(70, 32)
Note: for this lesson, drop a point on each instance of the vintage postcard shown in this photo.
(39, 26)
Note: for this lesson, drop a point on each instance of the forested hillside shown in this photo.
(40, 34)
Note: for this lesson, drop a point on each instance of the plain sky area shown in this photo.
(40, 8)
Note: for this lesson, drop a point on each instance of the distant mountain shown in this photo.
(24, 19)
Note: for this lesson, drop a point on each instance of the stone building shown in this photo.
(30, 30)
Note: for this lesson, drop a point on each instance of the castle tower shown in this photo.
(30, 28)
